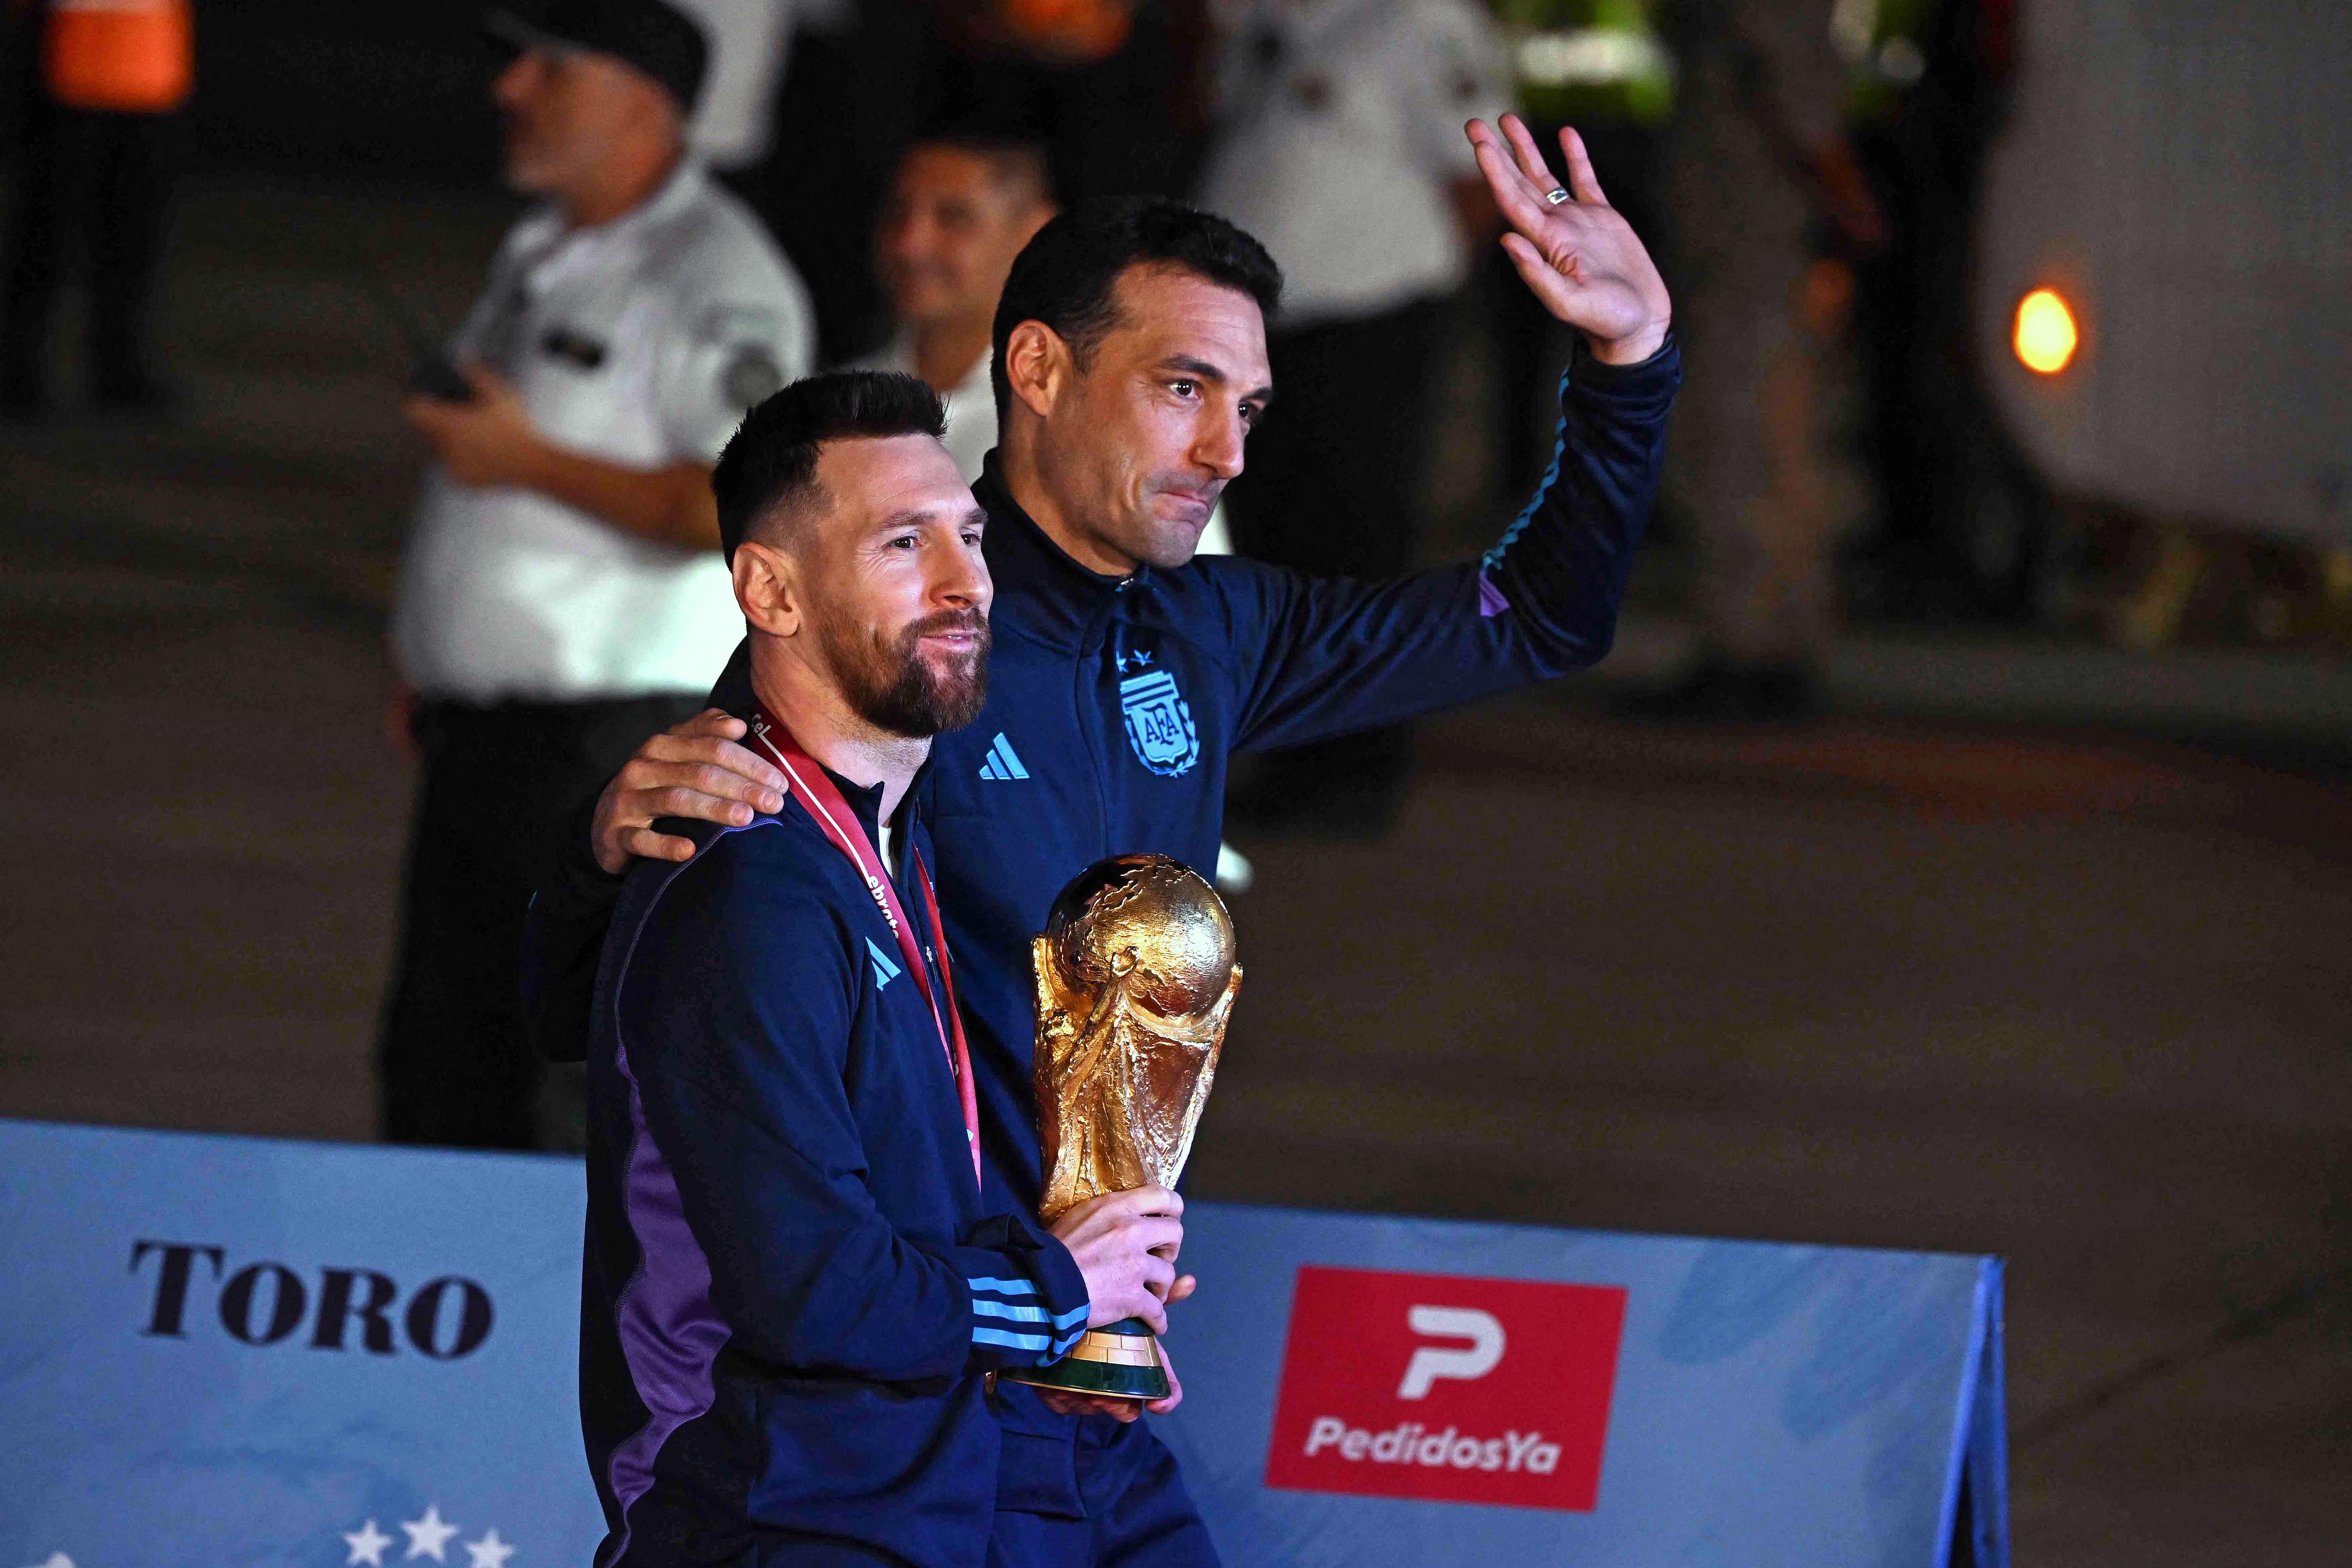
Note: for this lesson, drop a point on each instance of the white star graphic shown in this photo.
(490, 1552)
(367, 1544)
(429, 1536)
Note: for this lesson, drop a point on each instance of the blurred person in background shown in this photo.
(960, 209)
(562, 597)
(1341, 148)
(104, 84)
(1757, 159)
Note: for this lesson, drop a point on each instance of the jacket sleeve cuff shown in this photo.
(1658, 375)
(1028, 1300)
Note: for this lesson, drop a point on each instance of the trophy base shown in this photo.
(1118, 1360)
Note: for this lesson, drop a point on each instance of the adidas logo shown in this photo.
(884, 971)
(1002, 764)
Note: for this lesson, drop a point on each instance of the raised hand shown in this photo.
(1581, 256)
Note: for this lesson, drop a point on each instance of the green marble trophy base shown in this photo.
(1120, 1360)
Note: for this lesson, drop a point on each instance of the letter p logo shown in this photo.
(1483, 1329)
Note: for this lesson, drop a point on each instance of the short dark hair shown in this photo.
(1066, 275)
(1014, 161)
(770, 460)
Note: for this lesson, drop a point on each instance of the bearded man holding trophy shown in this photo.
(1130, 363)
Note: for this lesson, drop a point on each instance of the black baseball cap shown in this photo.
(657, 40)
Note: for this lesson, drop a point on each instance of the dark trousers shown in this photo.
(106, 177)
(501, 786)
(1138, 1511)
(1332, 487)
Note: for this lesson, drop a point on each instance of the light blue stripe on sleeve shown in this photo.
(985, 1335)
(1018, 1314)
(1004, 1287)
(1075, 1315)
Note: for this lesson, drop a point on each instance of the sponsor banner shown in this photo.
(1383, 1393)
(231, 1351)
(1413, 1408)
(236, 1351)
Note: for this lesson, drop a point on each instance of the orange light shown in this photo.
(2045, 336)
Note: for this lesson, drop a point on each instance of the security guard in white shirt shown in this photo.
(562, 596)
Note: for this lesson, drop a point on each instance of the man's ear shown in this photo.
(1037, 366)
(767, 587)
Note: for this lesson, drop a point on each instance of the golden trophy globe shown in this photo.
(1136, 980)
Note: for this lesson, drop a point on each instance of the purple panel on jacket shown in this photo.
(670, 1334)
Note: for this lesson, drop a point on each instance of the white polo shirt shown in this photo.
(640, 341)
(1342, 130)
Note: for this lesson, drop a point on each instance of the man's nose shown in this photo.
(963, 583)
(1219, 446)
(900, 238)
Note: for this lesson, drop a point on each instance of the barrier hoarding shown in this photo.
(1445, 1392)
(230, 1351)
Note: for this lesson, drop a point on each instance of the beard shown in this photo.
(894, 687)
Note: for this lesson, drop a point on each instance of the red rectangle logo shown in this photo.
(1450, 1389)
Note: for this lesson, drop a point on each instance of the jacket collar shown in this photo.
(1040, 590)
(733, 694)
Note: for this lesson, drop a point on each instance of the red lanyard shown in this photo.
(823, 802)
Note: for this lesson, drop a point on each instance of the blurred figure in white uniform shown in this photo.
(562, 597)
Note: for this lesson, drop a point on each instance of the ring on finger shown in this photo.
(1557, 195)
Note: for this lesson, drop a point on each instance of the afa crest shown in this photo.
(1159, 724)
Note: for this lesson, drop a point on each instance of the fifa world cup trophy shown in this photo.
(1136, 980)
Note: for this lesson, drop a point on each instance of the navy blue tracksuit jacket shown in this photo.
(793, 1284)
(1114, 704)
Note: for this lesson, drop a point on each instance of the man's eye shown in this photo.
(1250, 413)
(1183, 388)
(905, 541)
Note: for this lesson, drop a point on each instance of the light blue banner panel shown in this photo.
(1444, 1392)
(235, 1352)
(229, 1352)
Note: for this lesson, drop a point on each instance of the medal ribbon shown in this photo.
(815, 792)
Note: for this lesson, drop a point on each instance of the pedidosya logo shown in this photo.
(1448, 1389)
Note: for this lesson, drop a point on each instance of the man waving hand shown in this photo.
(1129, 366)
